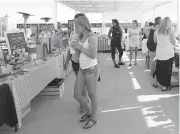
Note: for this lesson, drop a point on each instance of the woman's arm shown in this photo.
(140, 35)
(172, 37)
(93, 45)
(146, 31)
(68, 58)
(129, 32)
(109, 33)
(155, 37)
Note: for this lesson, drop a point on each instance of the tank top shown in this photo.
(116, 33)
(134, 32)
(84, 60)
(165, 49)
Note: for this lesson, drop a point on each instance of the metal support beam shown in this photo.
(154, 12)
(1, 19)
(55, 13)
(103, 24)
(178, 18)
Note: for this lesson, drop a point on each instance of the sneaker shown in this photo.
(116, 66)
(121, 63)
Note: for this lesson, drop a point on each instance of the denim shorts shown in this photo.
(92, 71)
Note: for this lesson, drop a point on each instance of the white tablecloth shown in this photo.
(25, 87)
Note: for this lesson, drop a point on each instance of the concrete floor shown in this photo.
(128, 104)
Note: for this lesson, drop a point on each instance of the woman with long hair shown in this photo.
(151, 45)
(116, 37)
(164, 36)
(89, 71)
(145, 36)
(134, 35)
(73, 55)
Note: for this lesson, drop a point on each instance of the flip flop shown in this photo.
(86, 125)
(84, 117)
(167, 89)
(82, 111)
(154, 85)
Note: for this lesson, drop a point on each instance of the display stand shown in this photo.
(15, 40)
(25, 17)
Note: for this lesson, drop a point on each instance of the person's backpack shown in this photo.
(151, 45)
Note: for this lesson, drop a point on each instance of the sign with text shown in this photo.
(15, 40)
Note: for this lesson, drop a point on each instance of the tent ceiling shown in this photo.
(100, 6)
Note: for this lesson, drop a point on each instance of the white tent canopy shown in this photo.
(100, 6)
(120, 9)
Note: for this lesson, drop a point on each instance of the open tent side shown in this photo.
(120, 9)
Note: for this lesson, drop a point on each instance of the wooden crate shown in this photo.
(55, 92)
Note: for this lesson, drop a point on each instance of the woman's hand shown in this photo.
(78, 46)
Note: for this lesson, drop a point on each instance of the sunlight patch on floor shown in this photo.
(150, 120)
(120, 109)
(168, 126)
(155, 117)
(147, 111)
(146, 98)
(135, 83)
(128, 67)
(147, 70)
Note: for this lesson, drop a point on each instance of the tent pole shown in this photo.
(55, 13)
(154, 12)
(1, 19)
(103, 24)
(178, 18)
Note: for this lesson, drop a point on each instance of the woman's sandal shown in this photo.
(87, 126)
(166, 89)
(84, 117)
(155, 85)
(82, 111)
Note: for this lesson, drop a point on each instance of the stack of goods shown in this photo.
(19, 58)
(54, 89)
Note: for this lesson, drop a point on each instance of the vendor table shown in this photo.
(25, 87)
